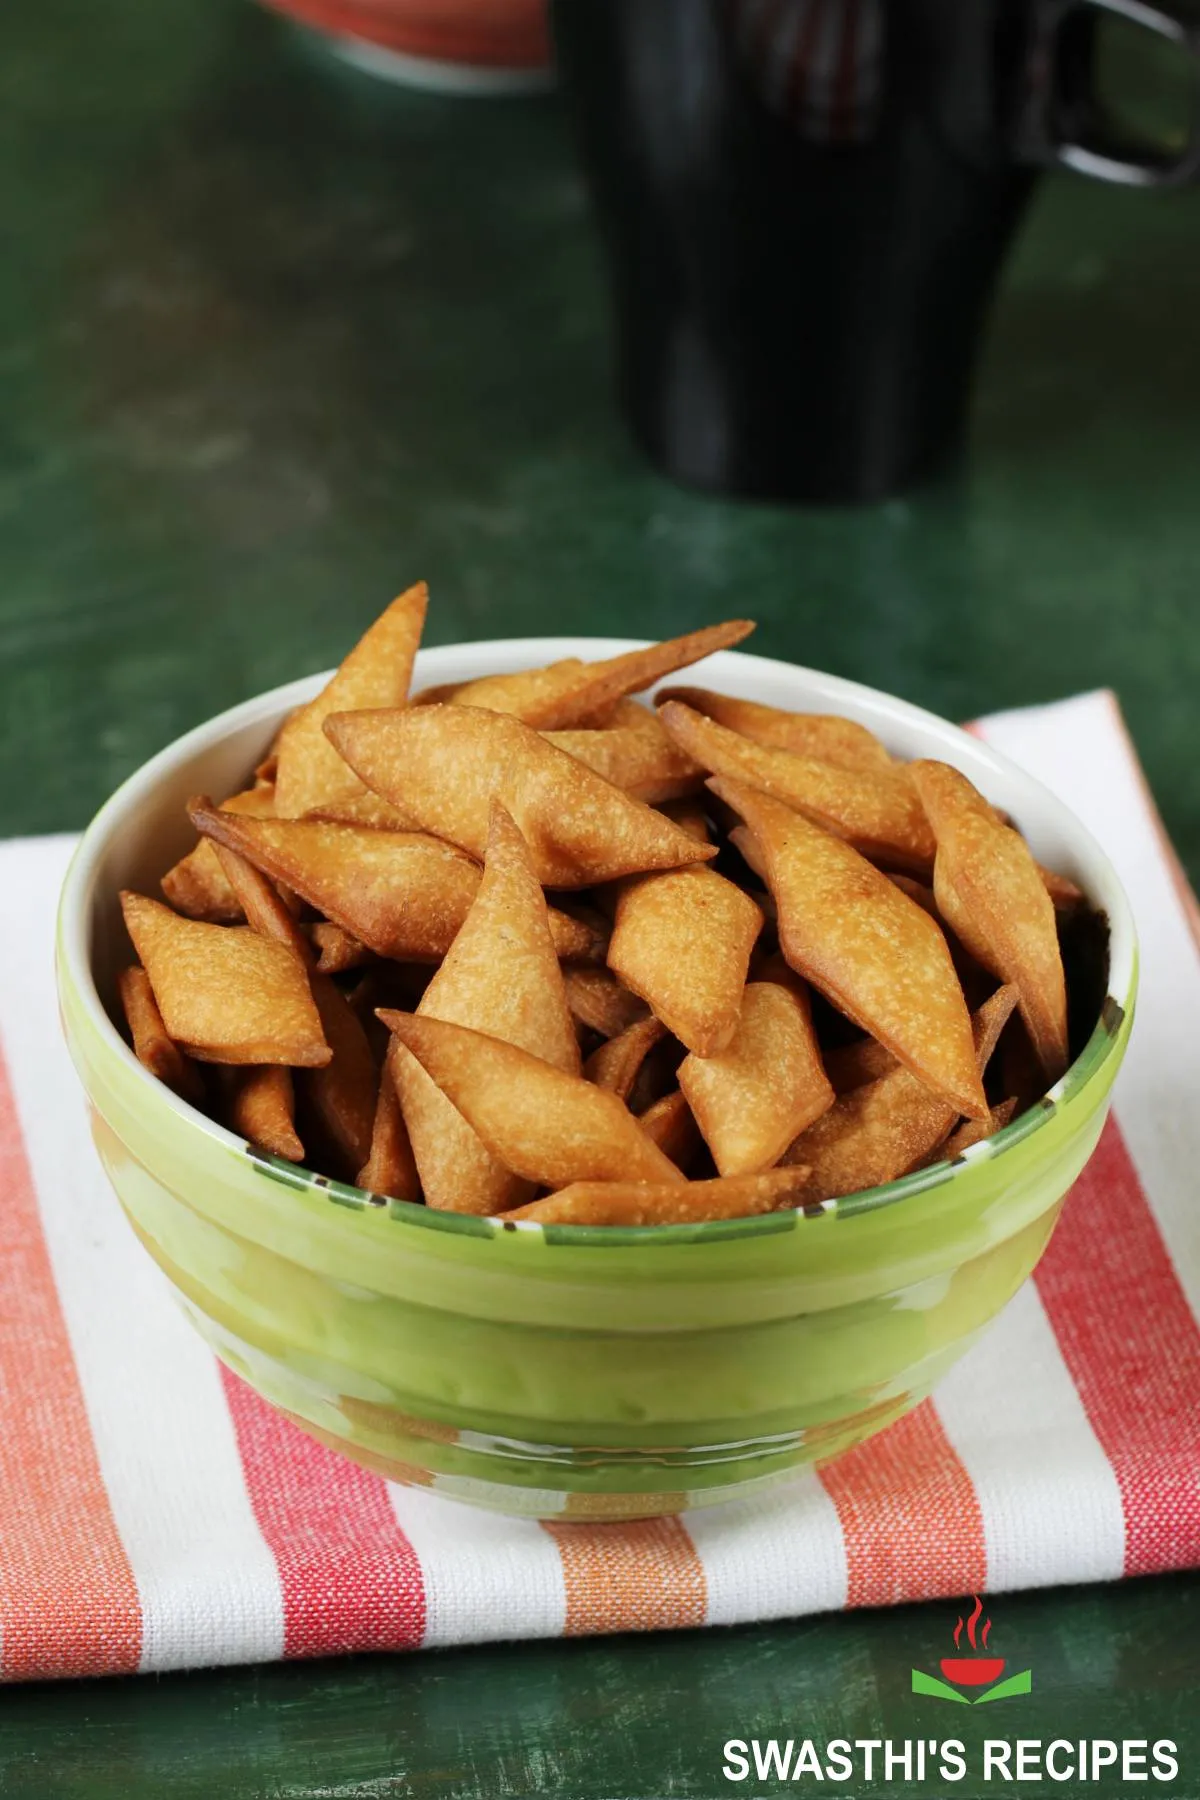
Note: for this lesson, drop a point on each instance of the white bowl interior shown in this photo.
(142, 830)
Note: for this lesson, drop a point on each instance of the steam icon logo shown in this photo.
(978, 1671)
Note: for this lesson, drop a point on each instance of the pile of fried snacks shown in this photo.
(525, 946)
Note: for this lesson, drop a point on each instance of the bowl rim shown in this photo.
(504, 654)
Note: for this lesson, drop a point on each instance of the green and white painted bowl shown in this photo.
(566, 1369)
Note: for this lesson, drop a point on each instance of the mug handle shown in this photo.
(1063, 124)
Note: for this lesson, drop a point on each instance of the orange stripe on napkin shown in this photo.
(350, 1578)
(1132, 1345)
(68, 1600)
(644, 1576)
(909, 1513)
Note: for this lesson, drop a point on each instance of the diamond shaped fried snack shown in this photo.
(624, 715)
(1065, 893)
(670, 1125)
(991, 894)
(259, 1104)
(615, 1065)
(518, 692)
(868, 948)
(973, 1131)
(151, 1045)
(598, 1000)
(543, 1124)
(445, 764)
(564, 694)
(500, 976)
(364, 808)
(341, 1098)
(400, 893)
(830, 739)
(377, 672)
(877, 811)
(682, 940)
(196, 885)
(258, 898)
(891, 1126)
(645, 764)
(683, 1203)
(225, 993)
(403, 894)
(757, 1095)
(850, 1066)
(336, 950)
(390, 1169)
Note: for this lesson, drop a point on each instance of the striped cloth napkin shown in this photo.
(155, 1514)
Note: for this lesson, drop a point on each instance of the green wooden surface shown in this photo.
(625, 1718)
(273, 342)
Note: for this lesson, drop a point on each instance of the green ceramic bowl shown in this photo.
(566, 1369)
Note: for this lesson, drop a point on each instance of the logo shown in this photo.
(978, 1671)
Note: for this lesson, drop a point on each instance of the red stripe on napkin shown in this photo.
(1132, 1345)
(350, 1578)
(68, 1600)
(909, 1515)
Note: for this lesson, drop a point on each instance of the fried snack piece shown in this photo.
(515, 692)
(682, 1203)
(830, 739)
(749, 849)
(259, 1104)
(562, 695)
(336, 950)
(918, 891)
(682, 940)
(624, 715)
(1020, 1070)
(891, 1126)
(598, 1000)
(377, 672)
(341, 1098)
(500, 976)
(973, 1131)
(446, 763)
(266, 770)
(877, 811)
(868, 948)
(543, 1124)
(644, 764)
(391, 1168)
(402, 893)
(225, 993)
(756, 1096)
(151, 1045)
(974, 979)
(850, 1066)
(669, 1124)
(1065, 893)
(990, 893)
(258, 899)
(615, 1065)
(446, 690)
(196, 885)
(366, 809)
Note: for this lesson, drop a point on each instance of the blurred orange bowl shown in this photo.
(446, 43)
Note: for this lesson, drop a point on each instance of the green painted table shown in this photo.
(274, 341)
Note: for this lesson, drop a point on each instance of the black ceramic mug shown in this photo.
(806, 204)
